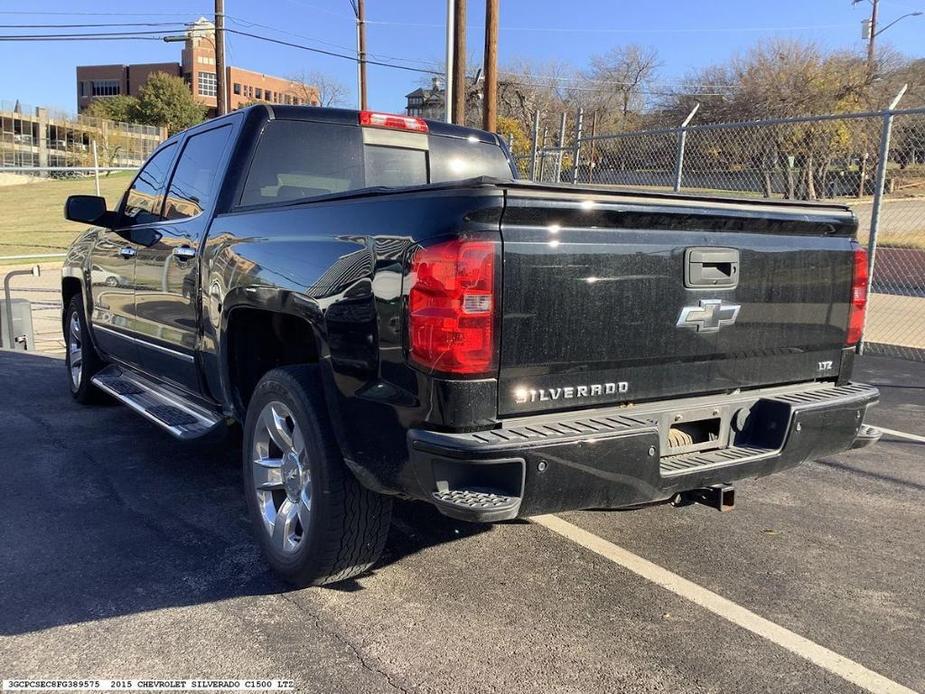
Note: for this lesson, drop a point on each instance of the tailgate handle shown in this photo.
(711, 267)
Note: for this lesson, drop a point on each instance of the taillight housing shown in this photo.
(858, 305)
(452, 304)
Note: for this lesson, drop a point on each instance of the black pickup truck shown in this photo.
(387, 312)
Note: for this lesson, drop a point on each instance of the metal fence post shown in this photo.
(879, 184)
(536, 135)
(10, 341)
(679, 157)
(543, 152)
(591, 162)
(561, 147)
(96, 169)
(576, 148)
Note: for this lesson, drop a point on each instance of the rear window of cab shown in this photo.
(296, 160)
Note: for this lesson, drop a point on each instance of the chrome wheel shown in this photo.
(74, 350)
(281, 477)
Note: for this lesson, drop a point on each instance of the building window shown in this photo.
(105, 87)
(237, 88)
(258, 94)
(207, 84)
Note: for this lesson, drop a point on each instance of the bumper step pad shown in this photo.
(691, 462)
(472, 504)
(670, 466)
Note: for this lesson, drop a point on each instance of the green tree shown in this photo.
(165, 100)
(122, 108)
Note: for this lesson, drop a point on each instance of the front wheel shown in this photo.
(81, 358)
(315, 523)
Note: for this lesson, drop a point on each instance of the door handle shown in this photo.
(128, 252)
(184, 252)
(707, 268)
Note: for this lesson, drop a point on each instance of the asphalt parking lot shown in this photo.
(126, 554)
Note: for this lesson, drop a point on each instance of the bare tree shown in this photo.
(321, 88)
(618, 84)
(525, 87)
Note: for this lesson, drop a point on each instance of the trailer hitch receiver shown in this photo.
(718, 496)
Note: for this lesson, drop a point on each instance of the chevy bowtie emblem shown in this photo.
(709, 316)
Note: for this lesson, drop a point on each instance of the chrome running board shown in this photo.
(158, 404)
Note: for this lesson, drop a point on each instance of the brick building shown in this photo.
(197, 68)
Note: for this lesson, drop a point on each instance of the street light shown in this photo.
(219, 83)
(869, 31)
(866, 24)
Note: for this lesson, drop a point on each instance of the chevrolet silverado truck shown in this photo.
(385, 311)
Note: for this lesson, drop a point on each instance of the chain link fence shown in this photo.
(873, 162)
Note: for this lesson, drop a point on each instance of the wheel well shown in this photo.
(259, 340)
(69, 287)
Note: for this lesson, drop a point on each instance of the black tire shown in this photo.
(348, 524)
(82, 390)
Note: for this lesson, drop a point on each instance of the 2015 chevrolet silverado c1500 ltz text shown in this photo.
(386, 311)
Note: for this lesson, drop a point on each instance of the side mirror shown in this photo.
(89, 209)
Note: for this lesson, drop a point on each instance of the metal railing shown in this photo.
(872, 161)
(38, 137)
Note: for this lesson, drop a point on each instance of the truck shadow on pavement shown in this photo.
(105, 515)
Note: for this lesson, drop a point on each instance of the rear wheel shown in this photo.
(315, 523)
(81, 359)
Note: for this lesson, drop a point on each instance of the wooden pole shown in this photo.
(361, 52)
(871, 42)
(490, 113)
(221, 95)
(449, 73)
(459, 63)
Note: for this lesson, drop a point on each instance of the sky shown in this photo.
(686, 35)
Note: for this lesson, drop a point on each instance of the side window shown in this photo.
(300, 159)
(144, 199)
(195, 178)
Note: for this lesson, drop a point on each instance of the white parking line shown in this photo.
(901, 434)
(829, 660)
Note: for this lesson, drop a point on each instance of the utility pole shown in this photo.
(871, 36)
(490, 106)
(459, 62)
(359, 9)
(449, 103)
(221, 94)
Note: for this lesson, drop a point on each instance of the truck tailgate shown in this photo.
(613, 297)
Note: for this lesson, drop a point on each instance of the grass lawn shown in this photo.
(33, 221)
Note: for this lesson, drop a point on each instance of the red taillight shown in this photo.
(451, 307)
(858, 305)
(388, 120)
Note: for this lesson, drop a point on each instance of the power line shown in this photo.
(93, 36)
(184, 13)
(158, 35)
(606, 82)
(331, 53)
(91, 26)
(100, 38)
(381, 56)
(507, 79)
(594, 30)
